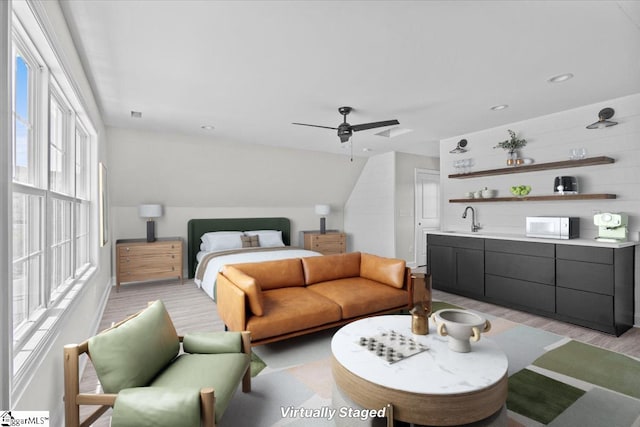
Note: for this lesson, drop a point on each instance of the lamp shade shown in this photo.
(323, 210)
(150, 211)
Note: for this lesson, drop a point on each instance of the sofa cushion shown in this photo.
(390, 271)
(358, 296)
(292, 309)
(331, 267)
(157, 406)
(132, 354)
(249, 286)
(275, 274)
(212, 342)
(223, 372)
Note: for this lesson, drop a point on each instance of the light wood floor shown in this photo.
(192, 310)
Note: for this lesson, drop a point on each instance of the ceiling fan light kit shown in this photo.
(345, 130)
(603, 119)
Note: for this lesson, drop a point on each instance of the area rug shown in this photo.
(553, 381)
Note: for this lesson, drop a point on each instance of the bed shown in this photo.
(204, 264)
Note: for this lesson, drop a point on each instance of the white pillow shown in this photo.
(267, 238)
(222, 240)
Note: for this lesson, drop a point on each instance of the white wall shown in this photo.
(43, 389)
(369, 214)
(549, 139)
(202, 177)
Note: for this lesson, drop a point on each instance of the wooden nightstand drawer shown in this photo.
(138, 260)
(327, 244)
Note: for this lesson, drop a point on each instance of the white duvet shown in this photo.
(208, 282)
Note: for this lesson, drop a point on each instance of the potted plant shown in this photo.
(511, 145)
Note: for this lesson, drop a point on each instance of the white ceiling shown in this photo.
(250, 68)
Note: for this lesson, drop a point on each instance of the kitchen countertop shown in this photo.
(523, 238)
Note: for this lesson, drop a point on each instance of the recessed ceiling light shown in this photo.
(560, 78)
(207, 127)
(136, 114)
(499, 107)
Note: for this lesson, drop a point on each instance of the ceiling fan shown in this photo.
(345, 130)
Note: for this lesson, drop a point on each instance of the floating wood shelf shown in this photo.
(591, 161)
(552, 198)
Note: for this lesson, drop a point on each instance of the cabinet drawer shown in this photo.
(522, 248)
(150, 261)
(586, 306)
(455, 241)
(139, 275)
(152, 248)
(327, 239)
(585, 253)
(523, 267)
(585, 276)
(520, 293)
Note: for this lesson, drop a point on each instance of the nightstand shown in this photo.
(138, 260)
(332, 242)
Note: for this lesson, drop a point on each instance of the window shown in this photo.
(51, 203)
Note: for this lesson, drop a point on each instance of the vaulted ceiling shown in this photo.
(251, 68)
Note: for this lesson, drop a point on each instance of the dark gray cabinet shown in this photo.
(594, 287)
(588, 286)
(521, 275)
(456, 264)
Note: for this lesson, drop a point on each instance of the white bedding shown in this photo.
(208, 282)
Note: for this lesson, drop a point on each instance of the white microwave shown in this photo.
(553, 227)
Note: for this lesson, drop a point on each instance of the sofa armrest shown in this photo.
(157, 406)
(231, 302)
(212, 342)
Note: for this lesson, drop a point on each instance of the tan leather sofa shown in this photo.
(275, 300)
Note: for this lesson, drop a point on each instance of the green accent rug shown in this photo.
(613, 371)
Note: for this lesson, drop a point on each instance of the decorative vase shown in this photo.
(461, 327)
(512, 156)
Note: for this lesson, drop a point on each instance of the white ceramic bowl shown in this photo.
(489, 194)
(461, 326)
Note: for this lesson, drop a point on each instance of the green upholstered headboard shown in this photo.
(197, 227)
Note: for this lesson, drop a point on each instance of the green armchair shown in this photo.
(149, 381)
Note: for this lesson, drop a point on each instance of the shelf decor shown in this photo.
(590, 161)
(512, 145)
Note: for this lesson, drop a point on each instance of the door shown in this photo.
(427, 199)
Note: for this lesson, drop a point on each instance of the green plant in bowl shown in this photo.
(520, 190)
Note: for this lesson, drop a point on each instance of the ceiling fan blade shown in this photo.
(365, 126)
(314, 126)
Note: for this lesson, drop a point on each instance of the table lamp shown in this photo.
(150, 212)
(323, 211)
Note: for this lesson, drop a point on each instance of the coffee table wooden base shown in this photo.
(427, 409)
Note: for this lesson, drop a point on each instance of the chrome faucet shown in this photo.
(474, 227)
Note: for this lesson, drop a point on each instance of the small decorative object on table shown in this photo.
(392, 346)
(512, 145)
(460, 326)
(419, 320)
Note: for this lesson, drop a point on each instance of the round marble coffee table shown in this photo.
(436, 387)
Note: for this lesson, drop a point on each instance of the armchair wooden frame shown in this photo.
(73, 399)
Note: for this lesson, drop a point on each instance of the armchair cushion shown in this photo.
(132, 354)
(157, 406)
(212, 342)
(222, 372)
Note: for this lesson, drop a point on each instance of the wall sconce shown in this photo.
(323, 211)
(150, 212)
(603, 119)
(460, 147)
